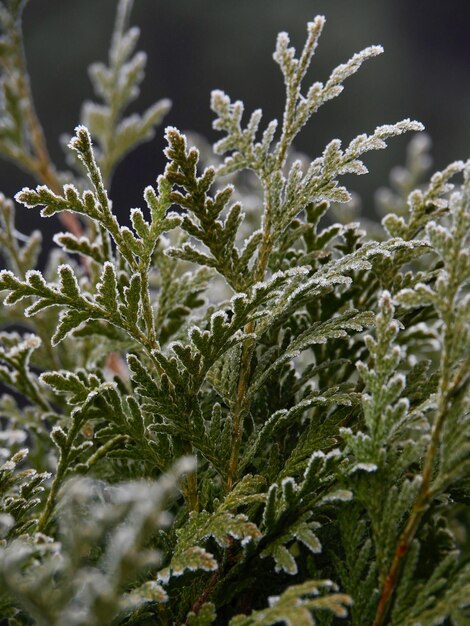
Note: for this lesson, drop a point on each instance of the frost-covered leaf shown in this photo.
(297, 606)
(118, 85)
(221, 526)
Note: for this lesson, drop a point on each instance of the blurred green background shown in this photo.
(194, 46)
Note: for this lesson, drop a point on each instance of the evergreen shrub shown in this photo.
(237, 411)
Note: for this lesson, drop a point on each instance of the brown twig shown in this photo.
(204, 595)
(241, 403)
(425, 495)
(41, 167)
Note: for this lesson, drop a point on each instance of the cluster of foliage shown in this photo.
(231, 422)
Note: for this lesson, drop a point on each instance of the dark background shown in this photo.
(194, 46)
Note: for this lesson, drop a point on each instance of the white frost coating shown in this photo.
(21, 196)
(58, 429)
(31, 273)
(173, 215)
(31, 342)
(172, 129)
(57, 238)
(108, 385)
(391, 130)
(8, 466)
(238, 297)
(314, 28)
(63, 267)
(293, 272)
(366, 467)
(136, 211)
(107, 264)
(318, 454)
(125, 231)
(345, 70)
(273, 600)
(398, 379)
(289, 481)
(74, 142)
(432, 227)
(334, 454)
(68, 188)
(218, 314)
(195, 330)
(250, 238)
(246, 540)
(149, 192)
(219, 99)
(342, 495)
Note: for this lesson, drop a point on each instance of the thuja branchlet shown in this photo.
(227, 416)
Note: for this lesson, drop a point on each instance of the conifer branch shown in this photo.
(32, 156)
(64, 443)
(257, 432)
(452, 248)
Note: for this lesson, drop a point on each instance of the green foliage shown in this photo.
(118, 85)
(51, 578)
(295, 605)
(230, 422)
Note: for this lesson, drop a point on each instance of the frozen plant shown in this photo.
(296, 453)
